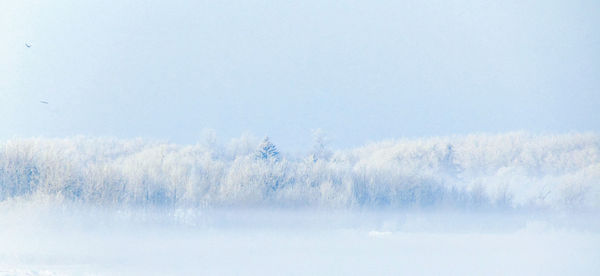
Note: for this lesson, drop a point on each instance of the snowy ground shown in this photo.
(74, 241)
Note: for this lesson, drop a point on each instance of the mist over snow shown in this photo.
(481, 171)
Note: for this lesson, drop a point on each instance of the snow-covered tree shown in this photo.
(267, 151)
(320, 150)
(475, 171)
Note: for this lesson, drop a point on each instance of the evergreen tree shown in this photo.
(267, 151)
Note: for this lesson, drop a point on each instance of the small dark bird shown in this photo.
(28, 45)
(44, 102)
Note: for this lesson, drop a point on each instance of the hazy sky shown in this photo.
(359, 70)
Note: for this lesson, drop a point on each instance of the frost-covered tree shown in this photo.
(320, 150)
(267, 151)
(475, 171)
(448, 161)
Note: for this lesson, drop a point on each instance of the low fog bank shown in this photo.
(473, 172)
(75, 240)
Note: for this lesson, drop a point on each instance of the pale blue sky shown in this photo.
(360, 70)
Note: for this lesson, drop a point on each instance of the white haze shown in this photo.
(72, 240)
(362, 70)
(504, 204)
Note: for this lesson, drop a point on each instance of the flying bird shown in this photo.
(28, 45)
(44, 102)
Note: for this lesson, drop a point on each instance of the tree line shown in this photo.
(513, 170)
